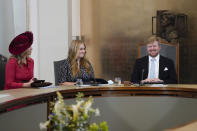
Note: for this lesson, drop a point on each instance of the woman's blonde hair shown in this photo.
(20, 58)
(72, 57)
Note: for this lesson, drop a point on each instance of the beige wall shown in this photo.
(113, 28)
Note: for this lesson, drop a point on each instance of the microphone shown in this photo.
(95, 83)
(142, 77)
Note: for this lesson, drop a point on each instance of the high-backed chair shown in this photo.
(3, 61)
(56, 70)
(170, 50)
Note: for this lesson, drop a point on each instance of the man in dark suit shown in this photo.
(154, 68)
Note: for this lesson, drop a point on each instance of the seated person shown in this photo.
(154, 68)
(20, 66)
(76, 65)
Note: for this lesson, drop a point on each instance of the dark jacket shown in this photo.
(167, 71)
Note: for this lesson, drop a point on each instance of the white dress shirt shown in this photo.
(156, 66)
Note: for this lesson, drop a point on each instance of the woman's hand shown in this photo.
(28, 84)
(67, 83)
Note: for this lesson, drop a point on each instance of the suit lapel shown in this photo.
(146, 67)
(161, 66)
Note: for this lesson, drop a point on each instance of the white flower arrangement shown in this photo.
(73, 117)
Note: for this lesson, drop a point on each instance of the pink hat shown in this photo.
(21, 42)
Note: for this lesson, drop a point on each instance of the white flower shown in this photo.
(79, 103)
(44, 125)
(57, 107)
(87, 106)
(97, 112)
(75, 112)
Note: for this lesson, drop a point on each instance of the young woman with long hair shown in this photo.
(76, 65)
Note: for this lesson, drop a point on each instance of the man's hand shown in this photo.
(151, 80)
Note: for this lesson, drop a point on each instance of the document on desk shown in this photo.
(4, 95)
(158, 85)
(51, 86)
(93, 85)
(83, 85)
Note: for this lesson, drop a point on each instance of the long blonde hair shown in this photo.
(20, 58)
(72, 57)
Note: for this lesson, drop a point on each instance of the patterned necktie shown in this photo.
(152, 68)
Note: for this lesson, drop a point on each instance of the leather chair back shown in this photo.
(3, 61)
(56, 70)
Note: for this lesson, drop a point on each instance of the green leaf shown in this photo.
(93, 127)
(79, 96)
(104, 126)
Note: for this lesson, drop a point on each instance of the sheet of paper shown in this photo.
(48, 87)
(4, 95)
(83, 85)
(158, 85)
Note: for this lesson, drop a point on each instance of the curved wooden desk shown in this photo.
(31, 95)
(110, 94)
